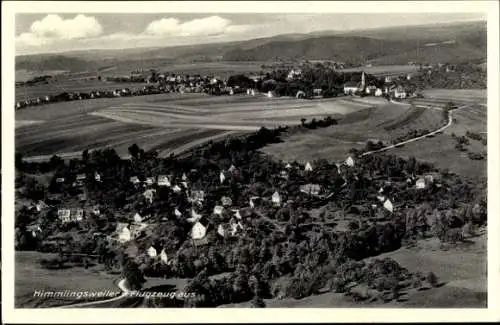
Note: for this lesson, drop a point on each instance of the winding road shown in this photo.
(441, 129)
(121, 285)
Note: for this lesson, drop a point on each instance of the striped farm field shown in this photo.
(384, 122)
(169, 123)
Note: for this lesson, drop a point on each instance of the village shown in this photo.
(178, 217)
(294, 82)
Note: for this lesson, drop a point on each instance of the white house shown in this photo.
(284, 174)
(198, 196)
(221, 230)
(198, 231)
(218, 210)
(294, 73)
(184, 177)
(60, 180)
(177, 213)
(149, 194)
(420, 184)
(308, 167)
(310, 189)
(271, 94)
(149, 181)
(351, 87)
(226, 201)
(152, 252)
(64, 215)
(400, 92)
(176, 189)
(163, 180)
(381, 198)
(222, 177)
(97, 177)
(378, 92)
(78, 215)
(232, 169)
(124, 234)
(288, 166)
(194, 216)
(163, 257)
(137, 218)
(276, 199)
(134, 180)
(388, 205)
(349, 161)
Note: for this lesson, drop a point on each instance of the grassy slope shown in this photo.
(463, 269)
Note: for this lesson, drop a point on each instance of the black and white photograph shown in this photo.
(229, 158)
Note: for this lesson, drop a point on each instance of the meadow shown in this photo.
(165, 123)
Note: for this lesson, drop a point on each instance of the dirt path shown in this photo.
(450, 122)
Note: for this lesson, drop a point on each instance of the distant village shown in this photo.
(302, 82)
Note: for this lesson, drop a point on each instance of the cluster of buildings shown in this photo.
(399, 88)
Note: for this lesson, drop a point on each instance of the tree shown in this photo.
(258, 302)
(134, 150)
(133, 274)
(85, 155)
(432, 279)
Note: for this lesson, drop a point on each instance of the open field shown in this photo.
(384, 122)
(165, 123)
(385, 69)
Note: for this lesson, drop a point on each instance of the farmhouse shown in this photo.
(276, 199)
(64, 215)
(198, 231)
(226, 201)
(163, 257)
(163, 180)
(308, 167)
(218, 210)
(123, 232)
(152, 252)
(310, 189)
(351, 87)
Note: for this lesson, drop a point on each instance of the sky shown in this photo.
(56, 32)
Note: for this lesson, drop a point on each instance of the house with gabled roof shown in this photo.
(226, 201)
(276, 199)
(388, 205)
(349, 161)
(164, 257)
(198, 231)
(163, 180)
(124, 234)
(134, 180)
(64, 215)
(149, 181)
(218, 210)
(308, 167)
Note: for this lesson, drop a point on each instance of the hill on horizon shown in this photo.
(450, 43)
